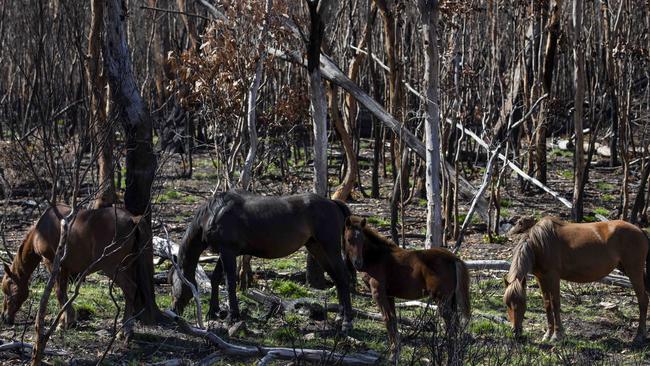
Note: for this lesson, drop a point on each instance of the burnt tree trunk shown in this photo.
(140, 159)
(318, 106)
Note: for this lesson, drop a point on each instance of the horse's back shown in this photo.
(91, 232)
(592, 250)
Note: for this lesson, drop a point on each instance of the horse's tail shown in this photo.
(461, 293)
(344, 208)
(646, 271)
(145, 302)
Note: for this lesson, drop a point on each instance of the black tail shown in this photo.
(647, 263)
(352, 273)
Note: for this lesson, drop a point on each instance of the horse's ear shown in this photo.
(348, 222)
(363, 222)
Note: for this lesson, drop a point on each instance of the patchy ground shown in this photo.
(600, 320)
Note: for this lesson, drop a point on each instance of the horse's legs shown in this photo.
(230, 267)
(554, 291)
(129, 288)
(331, 261)
(548, 307)
(636, 278)
(245, 272)
(387, 307)
(449, 316)
(215, 281)
(68, 318)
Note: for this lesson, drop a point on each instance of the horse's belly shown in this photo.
(584, 275)
(272, 249)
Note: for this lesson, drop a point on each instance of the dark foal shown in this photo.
(234, 224)
(407, 274)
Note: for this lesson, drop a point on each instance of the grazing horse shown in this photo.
(393, 272)
(110, 232)
(554, 250)
(234, 224)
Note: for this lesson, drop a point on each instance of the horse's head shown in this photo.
(354, 240)
(522, 225)
(181, 293)
(515, 300)
(15, 295)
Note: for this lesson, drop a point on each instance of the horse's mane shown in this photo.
(522, 261)
(537, 239)
(543, 233)
(377, 241)
(211, 207)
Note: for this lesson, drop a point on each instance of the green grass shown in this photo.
(566, 174)
(378, 221)
(170, 195)
(496, 239)
(608, 197)
(556, 152)
(475, 219)
(601, 211)
(289, 289)
(505, 203)
(603, 186)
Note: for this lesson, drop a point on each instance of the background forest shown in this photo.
(441, 122)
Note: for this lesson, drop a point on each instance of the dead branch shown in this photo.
(270, 353)
(167, 249)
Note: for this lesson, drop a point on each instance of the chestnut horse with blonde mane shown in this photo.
(106, 239)
(553, 249)
(391, 272)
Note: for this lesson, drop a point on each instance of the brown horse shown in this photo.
(554, 250)
(408, 274)
(238, 223)
(112, 232)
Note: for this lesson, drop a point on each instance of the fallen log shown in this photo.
(312, 305)
(27, 347)
(270, 353)
(160, 250)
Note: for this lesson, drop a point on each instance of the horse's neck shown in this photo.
(190, 250)
(380, 251)
(26, 260)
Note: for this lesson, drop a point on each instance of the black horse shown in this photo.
(233, 224)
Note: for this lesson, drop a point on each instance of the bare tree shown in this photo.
(429, 19)
(579, 82)
(140, 159)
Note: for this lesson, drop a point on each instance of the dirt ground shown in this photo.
(600, 320)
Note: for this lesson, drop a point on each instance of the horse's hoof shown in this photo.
(547, 336)
(557, 336)
(346, 326)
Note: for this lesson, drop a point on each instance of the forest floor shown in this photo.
(600, 320)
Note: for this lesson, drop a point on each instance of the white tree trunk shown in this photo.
(429, 16)
(578, 58)
(318, 110)
(247, 170)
